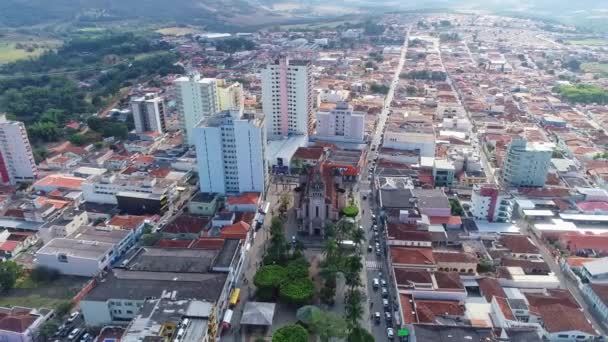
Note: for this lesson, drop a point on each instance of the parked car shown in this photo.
(73, 316)
(385, 303)
(390, 333)
(86, 338)
(384, 292)
(370, 248)
(387, 316)
(383, 282)
(377, 317)
(74, 334)
(376, 283)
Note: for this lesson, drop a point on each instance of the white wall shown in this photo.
(198, 98)
(74, 265)
(251, 160)
(96, 313)
(209, 155)
(411, 141)
(16, 151)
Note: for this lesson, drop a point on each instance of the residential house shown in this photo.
(21, 324)
(204, 204)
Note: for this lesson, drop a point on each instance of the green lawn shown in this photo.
(10, 53)
(32, 301)
(596, 68)
(589, 42)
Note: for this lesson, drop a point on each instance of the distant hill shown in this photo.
(15, 13)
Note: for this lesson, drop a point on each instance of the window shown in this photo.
(62, 258)
(562, 336)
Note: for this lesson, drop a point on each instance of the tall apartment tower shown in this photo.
(149, 113)
(231, 153)
(197, 99)
(526, 164)
(341, 124)
(230, 95)
(287, 98)
(16, 158)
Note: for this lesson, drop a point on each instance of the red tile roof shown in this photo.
(246, 198)
(409, 276)
(428, 310)
(127, 221)
(450, 220)
(17, 322)
(308, 153)
(407, 309)
(160, 172)
(578, 261)
(412, 256)
(207, 243)
(187, 224)
(503, 304)
(144, 159)
(9, 246)
(490, 287)
(61, 181)
(459, 257)
(448, 281)
(593, 206)
(173, 243)
(561, 318)
(576, 242)
(238, 230)
(517, 243)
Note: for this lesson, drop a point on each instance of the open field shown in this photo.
(47, 295)
(177, 31)
(596, 68)
(14, 48)
(589, 42)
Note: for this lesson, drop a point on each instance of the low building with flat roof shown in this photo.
(75, 257)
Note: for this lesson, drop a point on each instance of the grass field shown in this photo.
(177, 31)
(589, 42)
(10, 53)
(596, 68)
(47, 295)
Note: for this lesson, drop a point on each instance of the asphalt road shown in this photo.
(376, 265)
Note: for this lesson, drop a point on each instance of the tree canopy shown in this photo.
(10, 271)
(290, 333)
(583, 93)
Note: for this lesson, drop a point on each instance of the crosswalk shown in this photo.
(373, 264)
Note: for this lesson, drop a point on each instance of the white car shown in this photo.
(390, 333)
(73, 316)
(74, 334)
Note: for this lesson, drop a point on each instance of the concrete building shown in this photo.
(411, 137)
(148, 113)
(287, 98)
(341, 124)
(526, 164)
(231, 153)
(230, 96)
(197, 98)
(106, 188)
(16, 158)
(21, 324)
(488, 203)
(75, 257)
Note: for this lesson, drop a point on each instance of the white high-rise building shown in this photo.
(341, 124)
(231, 153)
(287, 98)
(230, 95)
(197, 99)
(526, 163)
(148, 113)
(16, 158)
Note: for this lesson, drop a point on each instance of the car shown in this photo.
(387, 316)
(390, 333)
(376, 233)
(370, 248)
(376, 283)
(74, 334)
(73, 316)
(377, 317)
(375, 228)
(378, 252)
(383, 282)
(384, 292)
(86, 338)
(293, 239)
(385, 303)
(60, 330)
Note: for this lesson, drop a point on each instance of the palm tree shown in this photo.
(358, 236)
(353, 308)
(352, 271)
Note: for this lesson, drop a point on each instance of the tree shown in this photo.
(485, 266)
(278, 251)
(297, 291)
(352, 270)
(10, 271)
(328, 325)
(456, 207)
(290, 333)
(44, 131)
(95, 123)
(78, 139)
(150, 239)
(48, 329)
(284, 202)
(353, 308)
(573, 65)
(350, 211)
(360, 335)
(63, 308)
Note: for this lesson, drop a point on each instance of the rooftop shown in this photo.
(446, 333)
(179, 260)
(412, 256)
(100, 234)
(60, 181)
(76, 248)
(187, 224)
